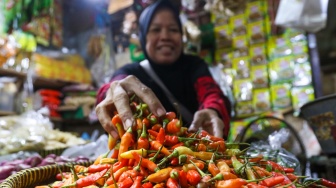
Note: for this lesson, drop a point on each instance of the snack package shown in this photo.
(238, 24)
(300, 96)
(242, 89)
(303, 74)
(244, 108)
(219, 19)
(300, 52)
(224, 57)
(240, 44)
(255, 10)
(256, 32)
(223, 37)
(280, 96)
(261, 100)
(278, 46)
(259, 76)
(281, 69)
(241, 67)
(257, 54)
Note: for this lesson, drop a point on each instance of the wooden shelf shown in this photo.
(6, 113)
(39, 82)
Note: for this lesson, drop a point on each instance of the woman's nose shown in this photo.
(164, 34)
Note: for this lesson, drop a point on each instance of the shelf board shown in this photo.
(13, 73)
(6, 113)
(39, 82)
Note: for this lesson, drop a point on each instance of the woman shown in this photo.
(187, 77)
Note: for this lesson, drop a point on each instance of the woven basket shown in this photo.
(36, 176)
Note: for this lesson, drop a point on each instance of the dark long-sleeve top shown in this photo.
(189, 81)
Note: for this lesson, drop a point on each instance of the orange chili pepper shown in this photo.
(112, 142)
(172, 183)
(213, 169)
(150, 165)
(126, 141)
(116, 175)
(174, 126)
(116, 121)
(161, 136)
(156, 146)
(159, 176)
(156, 127)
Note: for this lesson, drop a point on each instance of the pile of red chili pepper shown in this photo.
(160, 152)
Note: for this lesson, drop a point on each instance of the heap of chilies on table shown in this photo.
(160, 152)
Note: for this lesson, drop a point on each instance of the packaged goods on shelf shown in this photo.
(67, 68)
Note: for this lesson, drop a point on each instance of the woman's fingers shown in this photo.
(121, 90)
(133, 85)
(208, 120)
(104, 111)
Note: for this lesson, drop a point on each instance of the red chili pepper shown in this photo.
(218, 145)
(128, 182)
(288, 170)
(126, 141)
(171, 140)
(137, 182)
(174, 126)
(327, 183)
(272, 181)
(183, 179)
(118, 165)
(147, 185)
(174, 161)
(204, 133)
(156, 127)
(172, 183)
(97, 168)
(193, 177)
(275, 166)
(129, 173)
(161, 136)
(143, 141)
(88, 180)
(170, 115)
(152, 133)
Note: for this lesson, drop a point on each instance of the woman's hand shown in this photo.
(208, 120)
(117, 99)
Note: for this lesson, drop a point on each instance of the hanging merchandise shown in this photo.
(104, 65)
(307, 15)
(117, 5)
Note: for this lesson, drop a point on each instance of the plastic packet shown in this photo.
(272, 150)
(91, 150)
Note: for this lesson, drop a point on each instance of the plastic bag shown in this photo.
(220, 77)
(104, 66)
(91, 150)
(307, 15)
(272, 150)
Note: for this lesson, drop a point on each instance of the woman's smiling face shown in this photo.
(164, 38)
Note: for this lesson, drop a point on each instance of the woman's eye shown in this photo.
(174, 30)
(155, 30)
